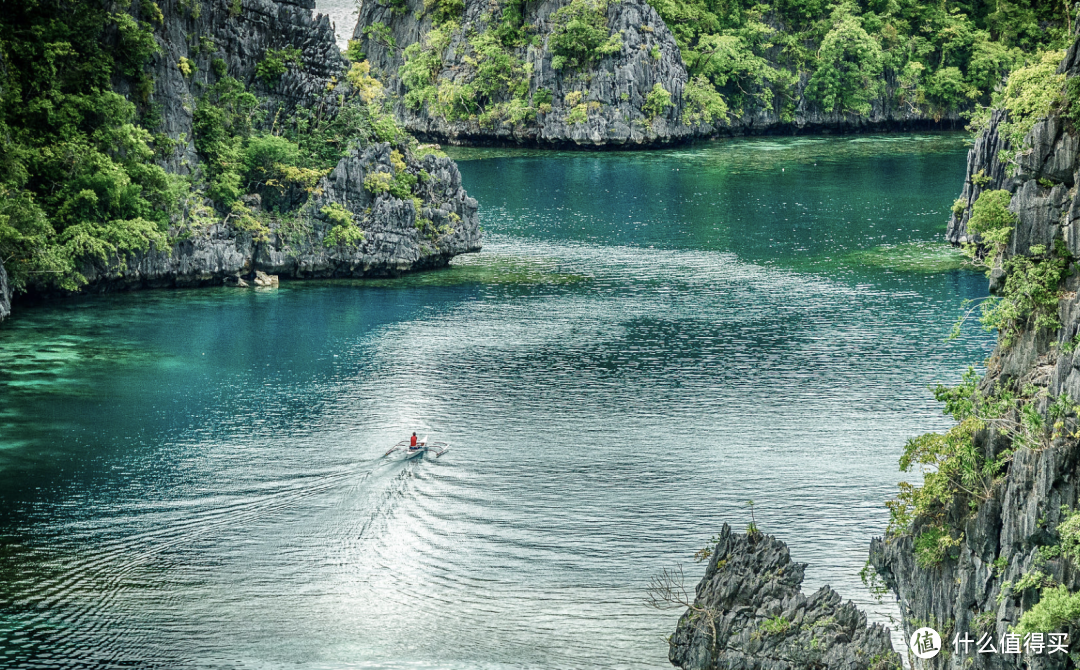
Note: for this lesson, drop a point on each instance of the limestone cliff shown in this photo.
(608, 94)
(393, 244)
(414, 214)
(749, 613)
(1009, 545)
(240, 32)
(5, 294)
(537, 100)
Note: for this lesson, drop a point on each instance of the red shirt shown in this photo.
(412, 441)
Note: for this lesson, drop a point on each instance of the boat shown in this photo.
(422, 447)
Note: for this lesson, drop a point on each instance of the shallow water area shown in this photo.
(194, 478)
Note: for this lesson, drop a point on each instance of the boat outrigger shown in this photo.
(421, 448)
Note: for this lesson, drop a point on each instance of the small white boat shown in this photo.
(422, 447)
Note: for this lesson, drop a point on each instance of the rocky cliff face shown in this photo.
(424, 230)
(603, 103)
(609, 93)
(393, 243)
(238, 32)
(5, 294)
(1014, 533)
(749, 613)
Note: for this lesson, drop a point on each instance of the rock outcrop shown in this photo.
(1013, 536)
(392, 243)
(437, 221)
(602, 104)
(612, 90)
(749, 613)
(238, 32)
(5, 294)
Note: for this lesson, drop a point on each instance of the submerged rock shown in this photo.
(749, 613)
(263, 279)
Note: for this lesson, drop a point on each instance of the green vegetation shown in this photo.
(1032, 281)
(943, 57)
(580, 35)
(276, 62)
(959, 469)
(1056, 609)
(776, 625)
(80, 165)
(656, 102)
(76, 176)
(849, 66)
(492, 82)
(963, 465)
(1069, 532)
(345, 232)
(494, 86)
(1030, 94)
(933, 58)
(1030, 296)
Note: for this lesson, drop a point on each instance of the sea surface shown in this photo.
(648, 341)
(342, 15)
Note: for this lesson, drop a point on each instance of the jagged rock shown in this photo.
(5, 294)
(1050, 154)
(265, 280)
(393, 244)
(241, 40)
(749, 613)
(984, 172)
(220, 253)
(970, 591)
(617, 84)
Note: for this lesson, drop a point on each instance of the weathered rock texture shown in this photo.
(968, 593)
(240, 33)
(617, 85)
(240, 38)
(750, 614)
(392, 243)
(5, 294)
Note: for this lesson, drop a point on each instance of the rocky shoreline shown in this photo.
(605, 105)
(393, 244)
(749, 613)
(1010, 546)
(399, 234)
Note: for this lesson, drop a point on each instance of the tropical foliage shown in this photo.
(942, 57)
(82, 174)
(76, 176)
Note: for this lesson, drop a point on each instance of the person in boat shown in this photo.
(412, 441)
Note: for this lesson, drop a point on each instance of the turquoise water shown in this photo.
(192, 479)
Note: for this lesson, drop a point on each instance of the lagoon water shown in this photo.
(192, 479)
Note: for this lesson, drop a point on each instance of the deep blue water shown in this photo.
(192, 479)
